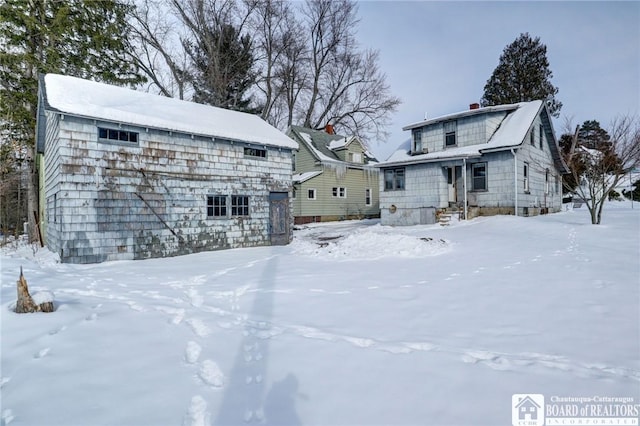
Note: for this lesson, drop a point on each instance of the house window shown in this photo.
(216, 206)
(532, 136)
(540, 128)
(450, 128)
(393, 179)
(255, 152)
(355, 157)
(526, 177)
(557, 184)
(239, 205)
(417, 140)
(367, 196)
(340, 192)
(116, 135)
(479, 176)
(546, 181)
(311, 193)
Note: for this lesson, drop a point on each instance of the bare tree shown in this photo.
(346, 87)
(598, 170)
(160, 55)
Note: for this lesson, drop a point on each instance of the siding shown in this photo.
(118, 201)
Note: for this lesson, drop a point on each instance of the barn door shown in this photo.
(279, 218)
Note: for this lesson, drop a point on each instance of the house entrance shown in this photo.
(454, 184)
(279, 218)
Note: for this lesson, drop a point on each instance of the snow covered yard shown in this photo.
(352, 324)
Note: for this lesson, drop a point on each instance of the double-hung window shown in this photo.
(367, 197)
(394, 179)
(417, 140)
(450, 128)
(339, 192)
(479, 176)
(526, 177)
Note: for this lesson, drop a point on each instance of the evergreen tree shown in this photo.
(522, 75)
(222, 62)
(82, 38)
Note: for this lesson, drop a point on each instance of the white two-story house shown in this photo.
(500, 159)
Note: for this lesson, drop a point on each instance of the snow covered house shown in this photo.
(132, 175)
(334, 177)
(493, 160)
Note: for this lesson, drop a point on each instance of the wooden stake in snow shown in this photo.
(25, 303)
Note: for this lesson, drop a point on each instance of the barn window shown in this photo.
(239, 205)
(117, 135)
(216, 206)
(255, 152)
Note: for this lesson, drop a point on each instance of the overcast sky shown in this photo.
(438, 55)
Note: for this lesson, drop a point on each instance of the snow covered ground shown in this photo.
(352, 324)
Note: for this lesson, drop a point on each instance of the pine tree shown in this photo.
(222, 62)
(82, 38)
(522, 75)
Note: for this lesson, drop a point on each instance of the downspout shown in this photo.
(515, 181)
(464, 184)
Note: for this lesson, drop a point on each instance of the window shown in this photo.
(355, 157)
(546, 181)
(340, 192)
(311, 194)
(450, 133)
(117, 135)
(540, 128)
(239, 205)
(367, 196)
(255, 152)
(417, 140)
(216, 206)
(393, 179)
(479, 176)
(526, 177)
(532, 136)
(557, 184)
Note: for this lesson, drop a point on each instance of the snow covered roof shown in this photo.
(323, 145)
(510, 134)
(465, 113)
(303, 177)
(85, 98)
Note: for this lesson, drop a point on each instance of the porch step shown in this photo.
(444, 219)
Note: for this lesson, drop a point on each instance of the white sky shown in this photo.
(438, 55)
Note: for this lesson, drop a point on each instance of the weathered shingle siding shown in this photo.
(119, 201)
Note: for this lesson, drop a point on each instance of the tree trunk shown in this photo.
(25, 303)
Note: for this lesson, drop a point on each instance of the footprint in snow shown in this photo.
(92, 317)
(197, 414)
(211, 374)
(58, 330)
(42, 353)
(192, 352)
(7, 416)
(4, 381)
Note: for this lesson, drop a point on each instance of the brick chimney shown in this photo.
(329, 129)
(474, 105)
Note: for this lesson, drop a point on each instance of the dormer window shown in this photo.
(450, 128)
(355, 157)
(417, 140)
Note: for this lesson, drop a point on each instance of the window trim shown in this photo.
(315, 194)
(395, 180)
(115, 136)
(484, 165)
(546, 181)
(235, 206)
(339, 192)
(540, 129)
(417, 140)
(255, 153)
(368, 197)
(526, 173)
(212, 206)
(454, 133)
